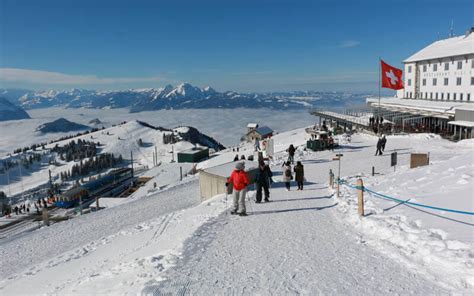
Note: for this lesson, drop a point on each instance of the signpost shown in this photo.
(393, 160)
(338, 158)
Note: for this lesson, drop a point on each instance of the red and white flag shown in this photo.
(391, 76)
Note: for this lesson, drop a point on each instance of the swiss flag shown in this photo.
(391, 76)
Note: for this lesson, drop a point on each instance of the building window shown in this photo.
(409, 69)
(436, 96)
(468, 97)
(424, 82)
(409, 82)
(460, 96)
(442, 96)
(458, 81)
(459, 65)
(472, 63)
(446, 81)
(434, 81)
(447, 96)
(446, 66)
(424, 68)
(454, 96)
(472, 80)
(435, 67)
(431, 96)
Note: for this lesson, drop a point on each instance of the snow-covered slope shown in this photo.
(122, 139)
(8, 111)
(303, 242)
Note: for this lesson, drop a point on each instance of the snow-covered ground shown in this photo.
(303, 242)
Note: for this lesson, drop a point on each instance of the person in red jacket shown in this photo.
(240, 181)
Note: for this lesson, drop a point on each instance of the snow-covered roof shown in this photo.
(264, 130)
(425, 107)
(252, 125)
(462, 123)
(193, 150)
(455, 46)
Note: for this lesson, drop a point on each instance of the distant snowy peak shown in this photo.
(185, 90)
(182, 96)
(9, 111)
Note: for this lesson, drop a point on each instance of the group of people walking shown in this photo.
(263, 181)
(25, 208)
(375, 120)
(376, 123)
(288, 174)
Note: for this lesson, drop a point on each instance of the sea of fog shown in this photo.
(225, 125)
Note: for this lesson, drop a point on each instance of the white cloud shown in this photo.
(349, 43)
(57, 78)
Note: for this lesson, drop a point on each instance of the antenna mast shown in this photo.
(451, 30)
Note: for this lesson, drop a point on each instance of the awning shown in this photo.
(462, 123)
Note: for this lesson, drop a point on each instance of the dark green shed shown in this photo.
(193, 155)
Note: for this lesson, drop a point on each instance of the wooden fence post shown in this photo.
(331, 179)
(337, 188)
(45, 216)
(360, 197)
(97, 203)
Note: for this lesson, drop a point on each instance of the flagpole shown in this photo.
(380, 74)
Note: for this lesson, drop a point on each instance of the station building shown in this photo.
(442, 71)
(438, 94)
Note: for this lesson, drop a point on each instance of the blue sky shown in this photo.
(229, 45)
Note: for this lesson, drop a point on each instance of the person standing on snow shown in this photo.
(299, 174)
(240, 181)
(263, 181)
(383, 142)
(287, 175)
(379, 147)
(291, 154)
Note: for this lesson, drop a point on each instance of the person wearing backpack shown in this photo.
(287, 175)
(299, 174)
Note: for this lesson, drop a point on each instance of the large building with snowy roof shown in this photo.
(439, 91)
(442, 71)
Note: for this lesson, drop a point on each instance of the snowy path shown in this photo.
(268, 253)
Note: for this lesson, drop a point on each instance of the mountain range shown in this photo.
(183, 96)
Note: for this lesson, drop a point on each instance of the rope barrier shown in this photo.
(380, 195)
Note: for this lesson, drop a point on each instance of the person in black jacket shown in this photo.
(379, 147)
(291, 154)
(263, 181)
(299, 174)
(383, 142)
